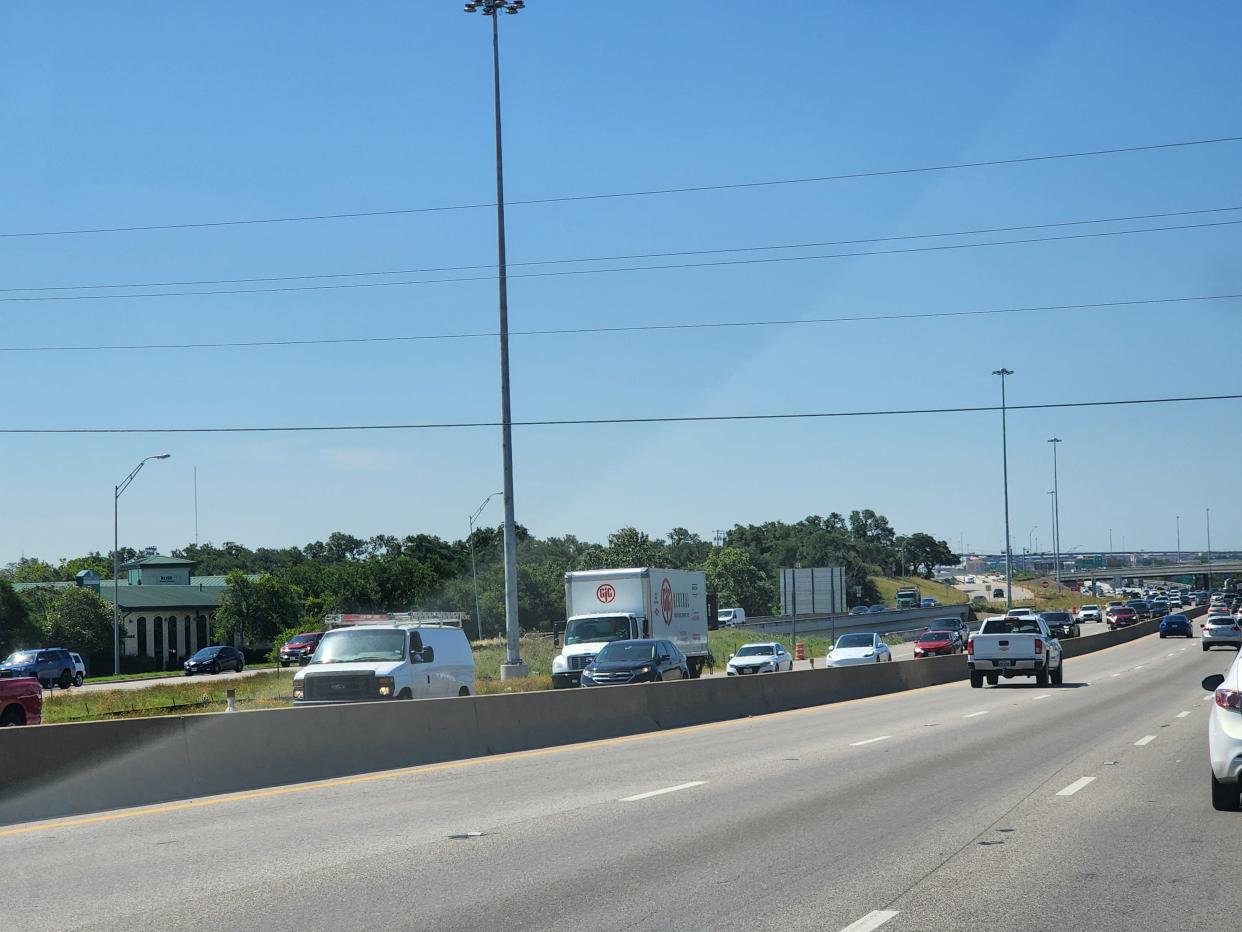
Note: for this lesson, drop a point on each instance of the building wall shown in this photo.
(180, 632)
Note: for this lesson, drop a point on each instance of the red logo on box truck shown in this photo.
(666, 601)
(605, 593)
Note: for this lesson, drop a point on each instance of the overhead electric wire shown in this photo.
(622, 328)
(624, 257)
(651, 192)
(632, 268)
(577, 422)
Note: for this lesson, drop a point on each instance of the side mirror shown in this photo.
(731, 656)
(1211, 682)
(426, 655)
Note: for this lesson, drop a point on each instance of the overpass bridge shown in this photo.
(1219, 570)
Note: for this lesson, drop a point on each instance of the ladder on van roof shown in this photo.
(417, 619)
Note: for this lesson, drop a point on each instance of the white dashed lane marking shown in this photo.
(873, 920)
(858, 744)
(1075, 786)
(1146, 739)
(976, 714)
(667, 789)
(1182, 714)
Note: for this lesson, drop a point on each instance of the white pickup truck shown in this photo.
(1012, 647)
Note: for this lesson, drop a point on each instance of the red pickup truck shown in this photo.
(21, 701)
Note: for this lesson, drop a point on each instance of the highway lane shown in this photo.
(805, 820)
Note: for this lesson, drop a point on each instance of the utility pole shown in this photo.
(513, 666)
(1056, 511)
(117, 491)
(1179, 539)
(474, 573)
(1002, 372)
(1208, 515)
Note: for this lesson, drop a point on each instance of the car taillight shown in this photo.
(970, 646)
(1229, 699)
(1039, 646)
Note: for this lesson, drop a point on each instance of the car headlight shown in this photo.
(386, 685)
(560, 664)
(298, 689)
(643, 671)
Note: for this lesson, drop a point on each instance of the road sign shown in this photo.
(1043, 584)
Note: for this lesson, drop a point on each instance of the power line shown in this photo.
(632, 268)
(578, 422)
(623, 257)
(622, 328)
(652, 192)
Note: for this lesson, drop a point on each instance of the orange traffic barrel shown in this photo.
(799, 651)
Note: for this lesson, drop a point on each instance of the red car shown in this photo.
(1121, 617)
(21, 701)
(300, 647)
(935, 643)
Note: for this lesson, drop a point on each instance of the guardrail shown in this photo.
(143, 761)
(889, 622)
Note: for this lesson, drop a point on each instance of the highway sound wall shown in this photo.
(53, 771)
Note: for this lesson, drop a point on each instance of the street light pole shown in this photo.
(1208, 514)
(474, 573)
(1056, 511)
(513, 666)
(1005, 466)
(1179, 539)
(117, 491)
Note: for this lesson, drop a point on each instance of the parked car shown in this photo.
(363, 663)
(876, 609)
(1061, 624)
(215, 659)
(1011, 647)
(644, 661)
(859, 610)
(1176, 626)
(79, 668)
(1089, 613)
(299, 648)
(1221, 629)
(21, 701)
(938, 643)
(1225, 736)
(858, 647)
(51, 666)
(765, 657)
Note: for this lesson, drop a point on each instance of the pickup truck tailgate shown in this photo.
(1006, 651)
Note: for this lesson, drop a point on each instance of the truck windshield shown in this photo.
(361, 647)
(593, 630)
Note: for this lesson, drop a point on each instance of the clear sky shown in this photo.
(135, 113)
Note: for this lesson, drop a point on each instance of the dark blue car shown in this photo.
(1176, 626)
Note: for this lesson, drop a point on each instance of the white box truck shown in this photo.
(624, 605)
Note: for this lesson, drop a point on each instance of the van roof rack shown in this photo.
(416, 619)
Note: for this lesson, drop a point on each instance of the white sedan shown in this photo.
(853, 649)
(1225, 736)
(766, 657)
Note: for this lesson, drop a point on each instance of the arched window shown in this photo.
(172, 636)
(202, 631)
(158, 637)
(187, 645)
(142, 636)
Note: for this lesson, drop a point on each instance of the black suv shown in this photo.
(645, 661)
(1061, 624)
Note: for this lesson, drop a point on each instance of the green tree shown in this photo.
(923, 550)
(738, 580)
(17, 629)
(78, 619)
(30, 570)
(257, 610)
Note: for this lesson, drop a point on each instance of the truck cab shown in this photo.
(585, 636)
(908, 598)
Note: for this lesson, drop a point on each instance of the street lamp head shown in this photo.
(1002, 372)
(492, 7)
(162, 456)
(1055, 440)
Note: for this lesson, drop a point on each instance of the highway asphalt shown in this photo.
(948, 808)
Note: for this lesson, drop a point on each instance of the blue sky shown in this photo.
(132, 115)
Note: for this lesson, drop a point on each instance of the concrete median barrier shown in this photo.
(53, 771)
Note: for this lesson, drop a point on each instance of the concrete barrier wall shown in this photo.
(53, 771)
(881, 622)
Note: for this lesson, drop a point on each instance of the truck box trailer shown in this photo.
(625, 604)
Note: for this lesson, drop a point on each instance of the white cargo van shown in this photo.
(361, 663)
(730, 617)
(624, 605)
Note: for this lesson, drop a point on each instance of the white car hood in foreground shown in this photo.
(852, 655)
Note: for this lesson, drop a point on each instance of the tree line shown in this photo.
(279, 589)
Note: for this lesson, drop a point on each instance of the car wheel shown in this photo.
(1058, 674)
(14, 716)
(1206, 647)
(214, 668)
(240, 666)
(657, 678)
(405, 694)
(1162, 635)
(1041, 677)
(77, 679)
(976, 680)
(283, 664)
(993, 679)
(1224, 796)
(65, 679)
(463, 692)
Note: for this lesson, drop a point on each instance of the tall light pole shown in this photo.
(1207, 512)
(474, 573)
(1030, 549)
(1056, 511)
(513, 666)
(1005, 466)
(1179, 538)
(117, 491)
